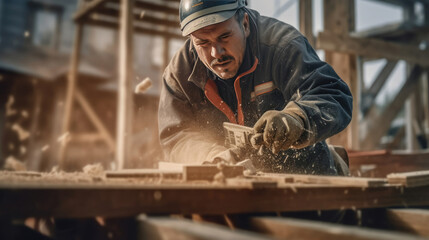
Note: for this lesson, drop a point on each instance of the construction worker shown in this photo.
(238, 66)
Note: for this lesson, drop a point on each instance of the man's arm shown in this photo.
(319, 103)
(182, 139)
(318, 91)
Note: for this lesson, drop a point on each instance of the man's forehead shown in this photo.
(215, 28)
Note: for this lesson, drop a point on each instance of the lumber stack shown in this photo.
(209, 192)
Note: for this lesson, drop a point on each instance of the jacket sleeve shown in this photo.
(181, 137)
(313, 91)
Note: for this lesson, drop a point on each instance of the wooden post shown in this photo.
(339, 19)
(425, 97)
(306, 20)
(71, 86)
(410, 103)
(126, 77)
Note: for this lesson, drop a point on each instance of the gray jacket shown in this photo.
(285, 73)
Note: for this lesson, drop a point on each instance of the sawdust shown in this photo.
(64, 138)
(22, 133)
(13, 164)
(96, 171)
(9, 110)
(143, 86)
(44, 148)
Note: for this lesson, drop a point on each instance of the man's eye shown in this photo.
(203, 44)
(225, 36)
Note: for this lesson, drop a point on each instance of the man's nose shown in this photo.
(217, 50)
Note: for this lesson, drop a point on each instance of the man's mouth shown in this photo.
(223, 64)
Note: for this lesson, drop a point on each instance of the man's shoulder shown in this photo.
(273, 32)
(181, 63)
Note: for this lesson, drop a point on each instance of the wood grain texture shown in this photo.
(409, 220)
(207, 172)
(410, 179)
(285, 228)
(169, 228)
(330, 180)
(142, 173)
(82, 199)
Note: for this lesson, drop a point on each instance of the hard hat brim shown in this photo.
(207, 20)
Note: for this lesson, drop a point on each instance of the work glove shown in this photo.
(277, 130)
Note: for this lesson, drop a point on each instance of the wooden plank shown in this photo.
(410, 179)
(114, 12)
(373, 48)
(285, 228)
(331, 180)
(137, 29)
(340, 20)
(88, 8)
(71, 86)
(95, 120)
(208, 172)
(306, 20)
(409, 220)
(158, 228)
(381, 163)
(251, 183)
(26, 173)
(378, 127)
(152, 6)
(144, 173)
(89, 199)
(170, 166)
(125, 84)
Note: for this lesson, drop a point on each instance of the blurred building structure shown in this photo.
(68, 70)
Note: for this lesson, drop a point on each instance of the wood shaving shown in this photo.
(13, 164)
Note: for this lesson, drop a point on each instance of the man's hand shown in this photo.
(277, 130)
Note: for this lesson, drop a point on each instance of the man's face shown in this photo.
(221, 46)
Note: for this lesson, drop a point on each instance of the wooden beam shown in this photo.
(409, 220)
(95, 120)
(70, 91)
(381, 163)
(402, 2)
(373, 48)
(137, 29)
(330, 180)
(156, 7)
(114, 12)
(339, 19)
(62, 199)
(126, 78)
(252, 183)
(378, 127)
(158, 228)
(306, 20)
(410, 179)
(371, 94)
(208, 172)
(144, 173)
(170, 166)
(285, 228)
(88, 8)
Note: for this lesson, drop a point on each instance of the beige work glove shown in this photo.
(277, 130)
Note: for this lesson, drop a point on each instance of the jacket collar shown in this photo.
(199, 75)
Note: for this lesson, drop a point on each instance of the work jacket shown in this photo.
(285, 74)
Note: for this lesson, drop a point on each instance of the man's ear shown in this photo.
(246, 25)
